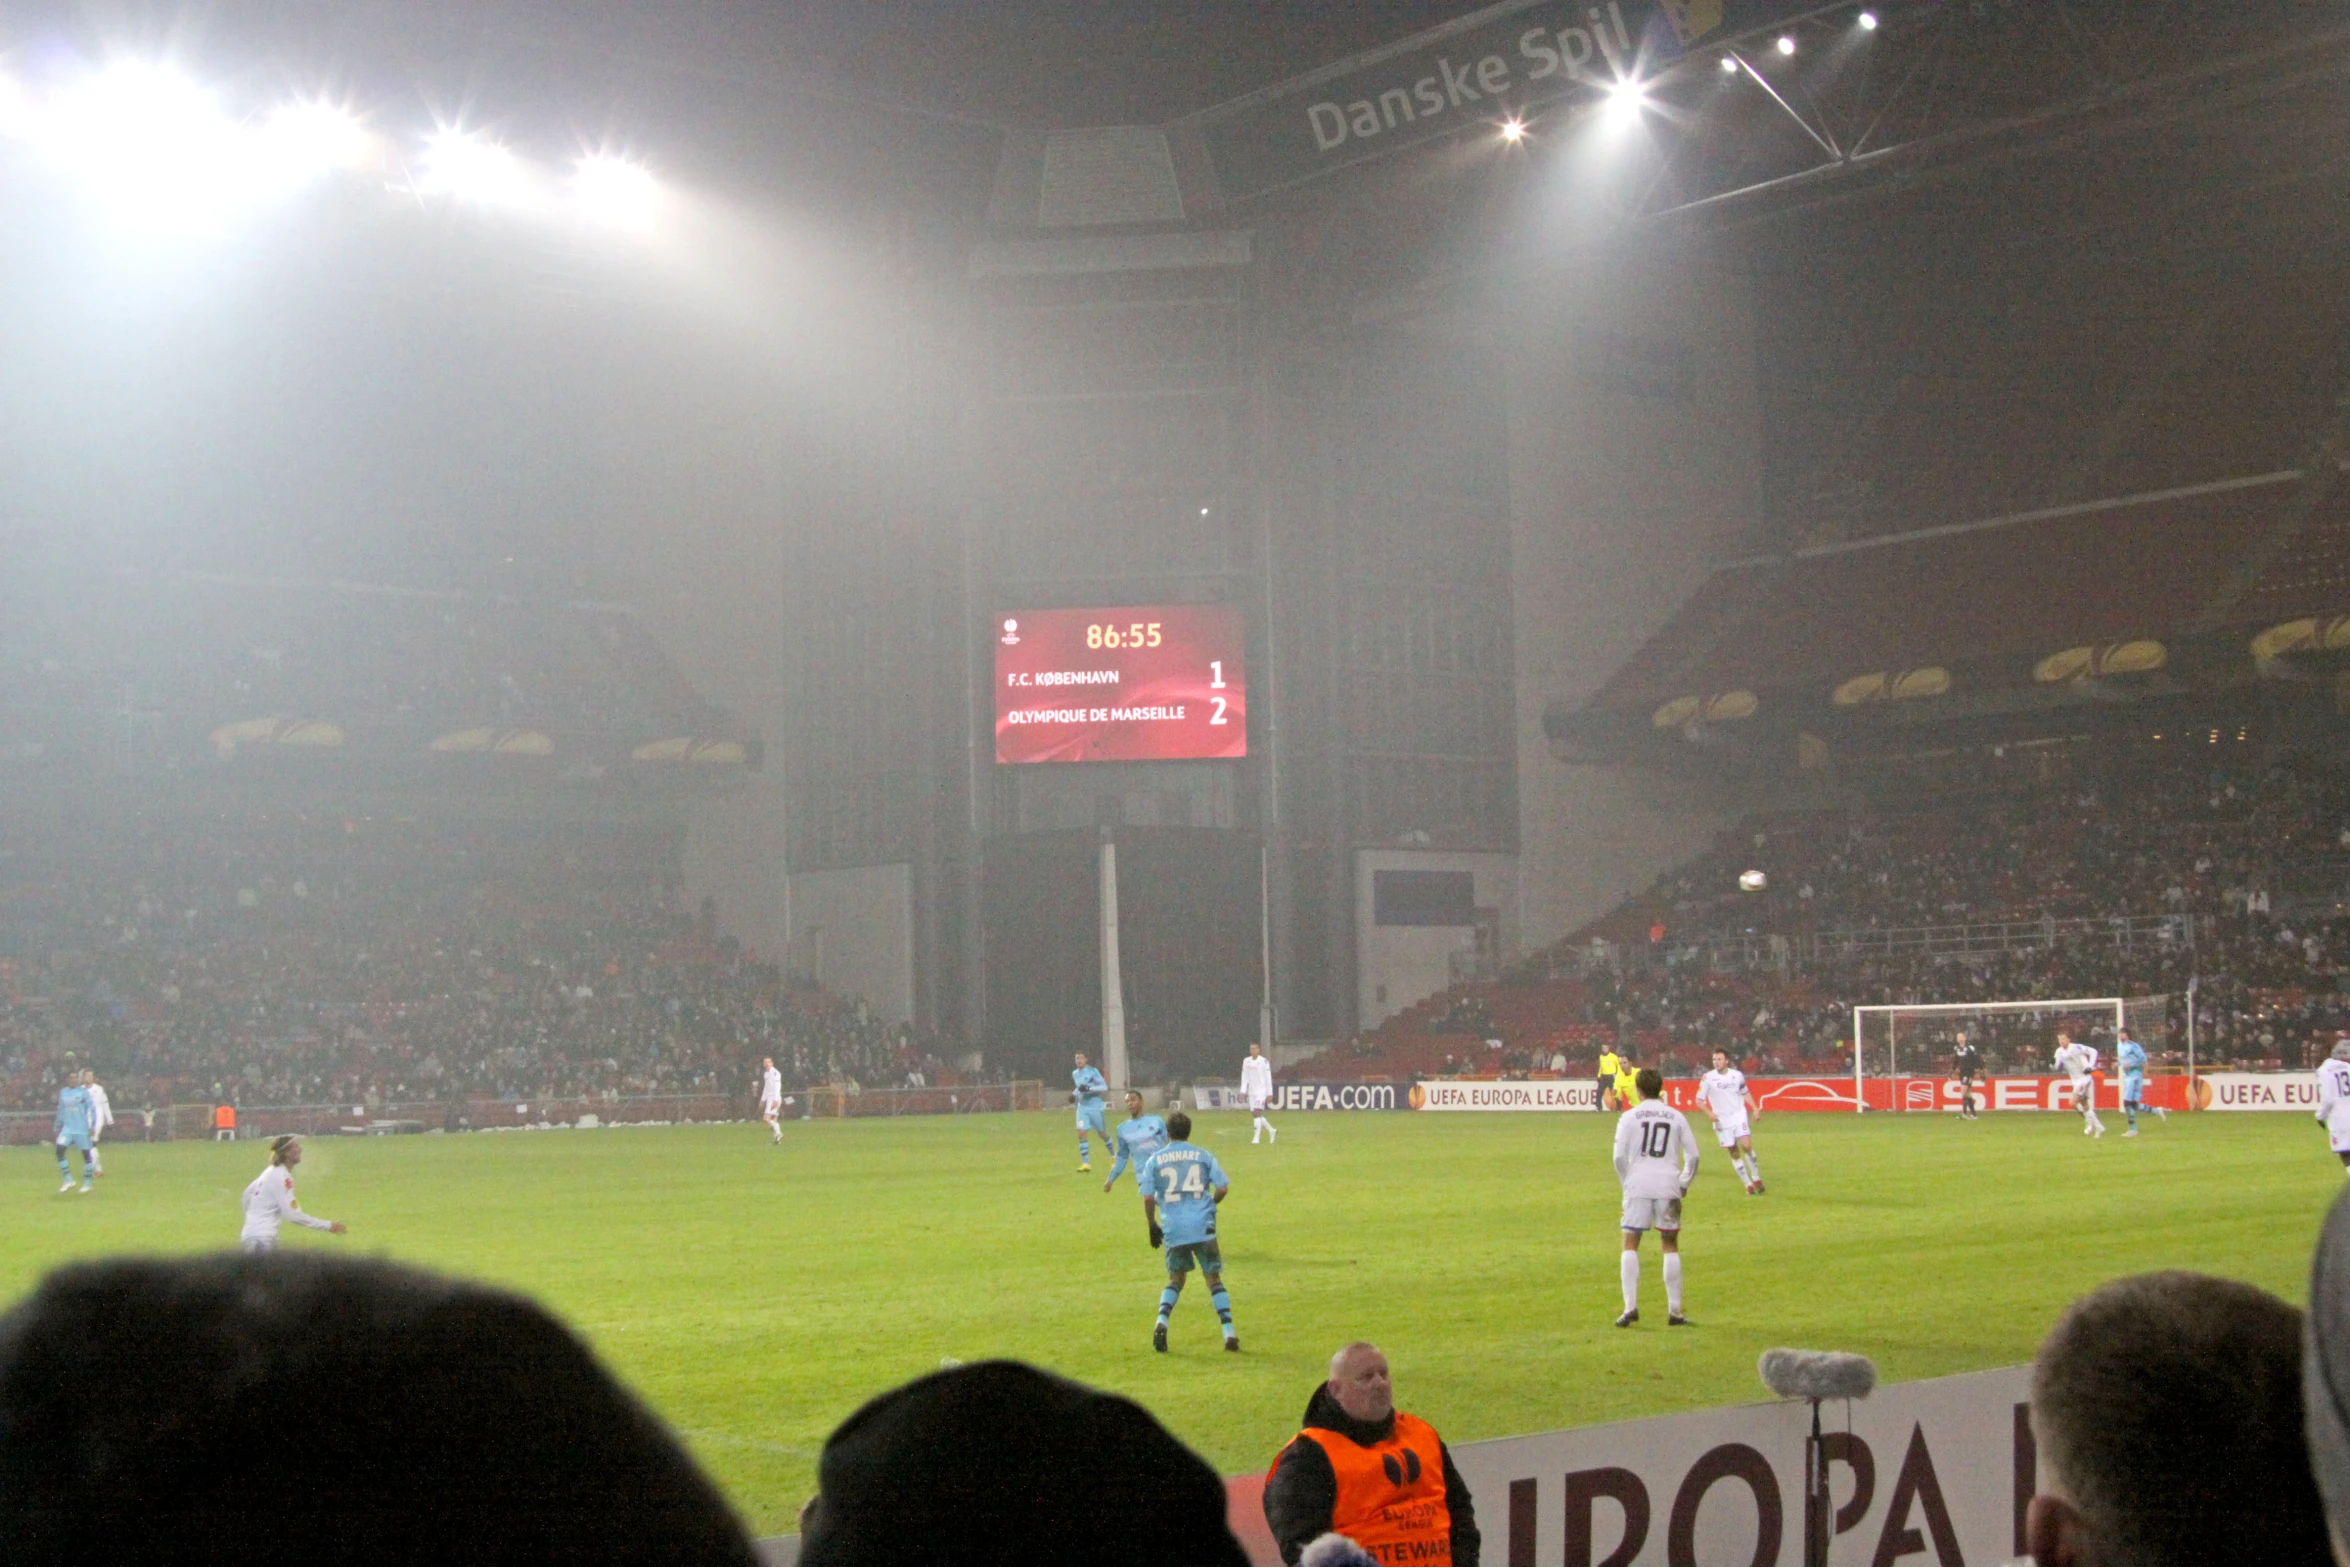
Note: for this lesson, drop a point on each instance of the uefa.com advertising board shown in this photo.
(2236, 1091)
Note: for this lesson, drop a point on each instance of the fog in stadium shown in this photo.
(554, 554)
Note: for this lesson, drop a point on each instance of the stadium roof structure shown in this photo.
(2210, 585)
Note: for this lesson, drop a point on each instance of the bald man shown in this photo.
(1365, 1469)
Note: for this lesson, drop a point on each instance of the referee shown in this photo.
(1967, 1061)
(1610, 1068)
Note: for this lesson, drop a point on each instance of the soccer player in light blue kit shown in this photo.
(2132, 1057)
(1139, 1136)
(1183, 1185)
(73, 1131)
(1088, 1087)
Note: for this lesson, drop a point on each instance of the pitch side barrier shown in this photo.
(1834, 1091)
(192, 1122)
(1291, 1097)
(1937, 1471)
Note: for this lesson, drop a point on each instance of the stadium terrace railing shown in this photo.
(2123, 932)
(193, 1122)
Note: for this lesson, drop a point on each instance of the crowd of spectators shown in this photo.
(328, 962)
(2156, 869)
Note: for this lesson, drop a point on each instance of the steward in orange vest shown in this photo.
(1364, 1469)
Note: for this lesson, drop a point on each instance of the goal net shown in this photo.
(1912, 1046)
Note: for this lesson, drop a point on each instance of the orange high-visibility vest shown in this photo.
(225, 1118)
(1391, 1494)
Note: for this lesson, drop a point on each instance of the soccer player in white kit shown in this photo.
(1730, 1102)
(1256, 1081)
(1656, 1159)
(2079, 1063)
(101, 1117)
(771, 1097)
(2333, 1099)
(270, 1200)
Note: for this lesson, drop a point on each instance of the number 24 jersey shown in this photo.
(1184, 1180)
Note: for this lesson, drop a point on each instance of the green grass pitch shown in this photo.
(756, 1296)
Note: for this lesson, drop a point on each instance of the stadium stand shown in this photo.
(2128, 870)
(188, 668)
(340, 961)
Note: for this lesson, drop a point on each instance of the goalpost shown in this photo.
(2014, 1036)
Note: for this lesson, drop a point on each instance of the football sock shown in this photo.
(1673, 1282)
(1738, 1163)
(1167, 1302)
(1223, 1304)
(1631, 1271)
(1753, 1165)
(64, 1170)
(2131, 1111)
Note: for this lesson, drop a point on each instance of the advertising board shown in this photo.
(1289, 1097)
(1472, 1094)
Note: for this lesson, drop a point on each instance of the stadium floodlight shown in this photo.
(1729, 65)
(615, 192)
(1868, 21)
(148, 146)
(1513, 130)
(304, 141)
(465, 166)
(1625, 100)
(1786, 43)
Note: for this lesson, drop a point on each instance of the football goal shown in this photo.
(1911, 1045)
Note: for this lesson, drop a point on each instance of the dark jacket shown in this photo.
(1302, 1491)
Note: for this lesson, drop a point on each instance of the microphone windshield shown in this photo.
(1817, 1373)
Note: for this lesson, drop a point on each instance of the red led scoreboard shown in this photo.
(1163, 684)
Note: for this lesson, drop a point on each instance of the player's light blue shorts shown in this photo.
(1206, 1255)
(2133, 1087)
(1091, 1115)
(79, 1140)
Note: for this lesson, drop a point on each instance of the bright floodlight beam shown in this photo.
(303, 141)
(1729, 65)
(615, 192)
(468, 167)
(1513, 130)
(1625, 100)
(1786, 43)
(1868, 21)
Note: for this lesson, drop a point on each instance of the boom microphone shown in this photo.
(1817, 1373)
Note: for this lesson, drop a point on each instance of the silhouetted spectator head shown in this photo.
(2325, 1384)
(334, 1411)
(1001, 1463)
(2139, 1387)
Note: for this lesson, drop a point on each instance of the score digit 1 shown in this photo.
(1216, 668)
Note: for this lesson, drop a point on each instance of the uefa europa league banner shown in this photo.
(1924, 1474)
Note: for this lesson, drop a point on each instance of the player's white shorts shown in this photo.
(2084, 1093)
(2338, 1127)
(1257, 1103)
(770, 1109)
(1730, 1128)
(1652, 1213)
